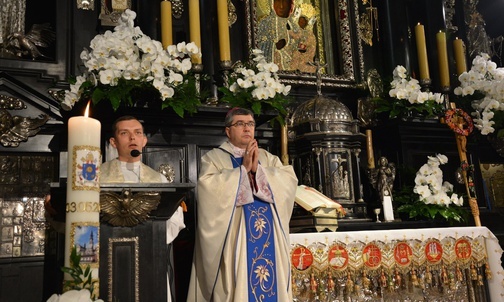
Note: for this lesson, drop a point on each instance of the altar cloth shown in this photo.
(402, 251)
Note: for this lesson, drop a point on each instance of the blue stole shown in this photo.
(261, 264)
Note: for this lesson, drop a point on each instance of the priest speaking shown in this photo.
(245, 198)
(129, 139)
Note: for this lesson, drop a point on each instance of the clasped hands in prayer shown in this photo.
(251, 157)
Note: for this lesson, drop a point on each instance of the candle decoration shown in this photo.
(423, 63)
(223, 25)
(284, 144)
(444, 72)
(166, 24)
(83, 191)
(460, 57)
(370, 152)
(195, 27)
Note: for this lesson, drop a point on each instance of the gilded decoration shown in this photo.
(127, 209)
(293, 33)
(85, 236)
(85, 170)
(391, 270)
(134, 241)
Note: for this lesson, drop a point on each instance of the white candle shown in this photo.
(83, 191)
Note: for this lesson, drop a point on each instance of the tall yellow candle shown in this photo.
(444, 71)
(166, 24)
(370, 152)
(194, 27)
(284, 147)
(423, 63)
(82, 226)
(222, 18)
(460, 58)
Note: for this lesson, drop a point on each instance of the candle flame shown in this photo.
(86, 113)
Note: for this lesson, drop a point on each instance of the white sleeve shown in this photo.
(174, 225)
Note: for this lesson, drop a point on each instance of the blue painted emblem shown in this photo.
(89, 171)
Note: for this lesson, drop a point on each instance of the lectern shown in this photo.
(135, 261)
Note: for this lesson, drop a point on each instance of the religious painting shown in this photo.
(306, 38)
(86, 239)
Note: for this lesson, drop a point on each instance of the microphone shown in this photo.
(136, 153)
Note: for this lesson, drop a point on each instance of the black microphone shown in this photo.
(135, 153)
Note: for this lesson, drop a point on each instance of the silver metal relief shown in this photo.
(167, 171)
(22, 227)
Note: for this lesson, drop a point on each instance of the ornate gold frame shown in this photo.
(343, 59)
(134, 243)
(74, 225)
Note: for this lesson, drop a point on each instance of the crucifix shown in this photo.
(461, 123)
(318, 72)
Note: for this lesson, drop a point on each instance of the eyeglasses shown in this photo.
(241, 124)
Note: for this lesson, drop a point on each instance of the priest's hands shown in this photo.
(251, 156)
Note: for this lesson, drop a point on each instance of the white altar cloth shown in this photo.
(494, 251)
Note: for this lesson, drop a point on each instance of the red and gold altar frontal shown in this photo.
(397, 265)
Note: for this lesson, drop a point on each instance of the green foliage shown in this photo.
(403, 108)
(409, 203)
(421, 210)
(129, 93)
(81, 278)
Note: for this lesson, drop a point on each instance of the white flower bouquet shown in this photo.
(483, 86)
(406, 98)
(73, 295)
(434, 198)
(255, 85)
(126, 61)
